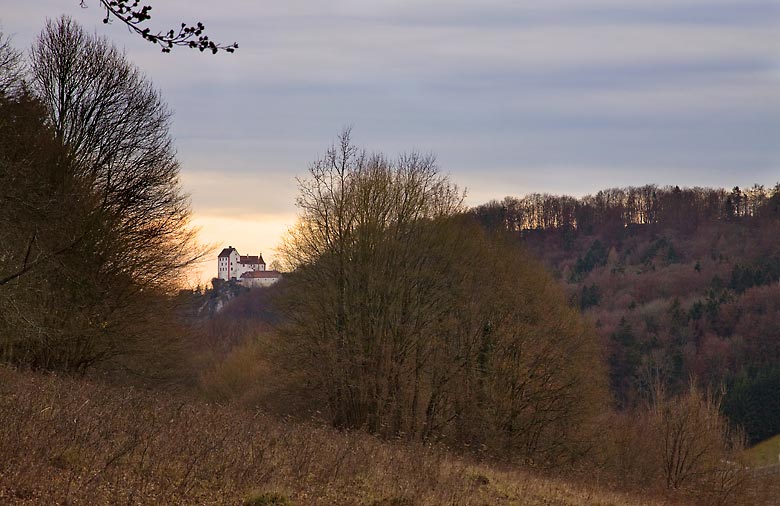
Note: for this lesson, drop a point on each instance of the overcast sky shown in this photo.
(559, 96)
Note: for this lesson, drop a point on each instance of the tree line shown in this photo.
(616, 208)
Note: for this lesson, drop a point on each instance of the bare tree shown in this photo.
(361, 221)
(10, 67)
(100, 224)
(410, 321)
(696, 441)
(115, 127)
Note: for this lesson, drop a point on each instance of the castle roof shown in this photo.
(227, 251)
(251, 260)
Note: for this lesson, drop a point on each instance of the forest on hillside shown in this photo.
(680, 283)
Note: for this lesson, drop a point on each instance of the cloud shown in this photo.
(514, 97)
(237, 195)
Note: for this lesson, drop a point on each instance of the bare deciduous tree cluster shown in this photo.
(10, 67)
(93, 220)
(408, 320)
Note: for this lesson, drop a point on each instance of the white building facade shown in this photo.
(231, 265)
(247, 270)
(260, 278)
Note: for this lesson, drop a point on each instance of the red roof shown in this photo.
(262, 274)
(251, 260)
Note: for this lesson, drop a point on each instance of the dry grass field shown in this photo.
(765, 453)
(70, 441)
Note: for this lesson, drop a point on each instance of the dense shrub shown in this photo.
(407, 319)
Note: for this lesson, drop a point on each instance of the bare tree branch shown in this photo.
(133, 14)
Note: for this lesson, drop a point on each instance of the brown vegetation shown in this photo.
(682, 444)
(680, 283)
(93, 222)
(401, 318)
(78, 442)
(404, 318)
(675, 446)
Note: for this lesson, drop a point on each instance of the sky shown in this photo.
(512, 96)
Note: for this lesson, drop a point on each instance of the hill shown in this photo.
(679, 283)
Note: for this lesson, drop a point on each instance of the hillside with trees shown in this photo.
(680, 283)
(403, 317)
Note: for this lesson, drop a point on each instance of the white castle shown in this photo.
(247, 270)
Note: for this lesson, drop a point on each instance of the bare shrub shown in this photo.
(244, 376)
(682, 446)
(697, 447)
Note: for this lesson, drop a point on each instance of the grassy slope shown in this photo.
(765, 453)
(76, 442)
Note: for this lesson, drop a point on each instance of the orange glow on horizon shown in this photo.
(249, 234)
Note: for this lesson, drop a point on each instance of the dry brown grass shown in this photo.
(69, 441)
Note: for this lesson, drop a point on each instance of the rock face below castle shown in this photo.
(247, 270)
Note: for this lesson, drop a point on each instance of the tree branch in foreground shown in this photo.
(133, 14)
